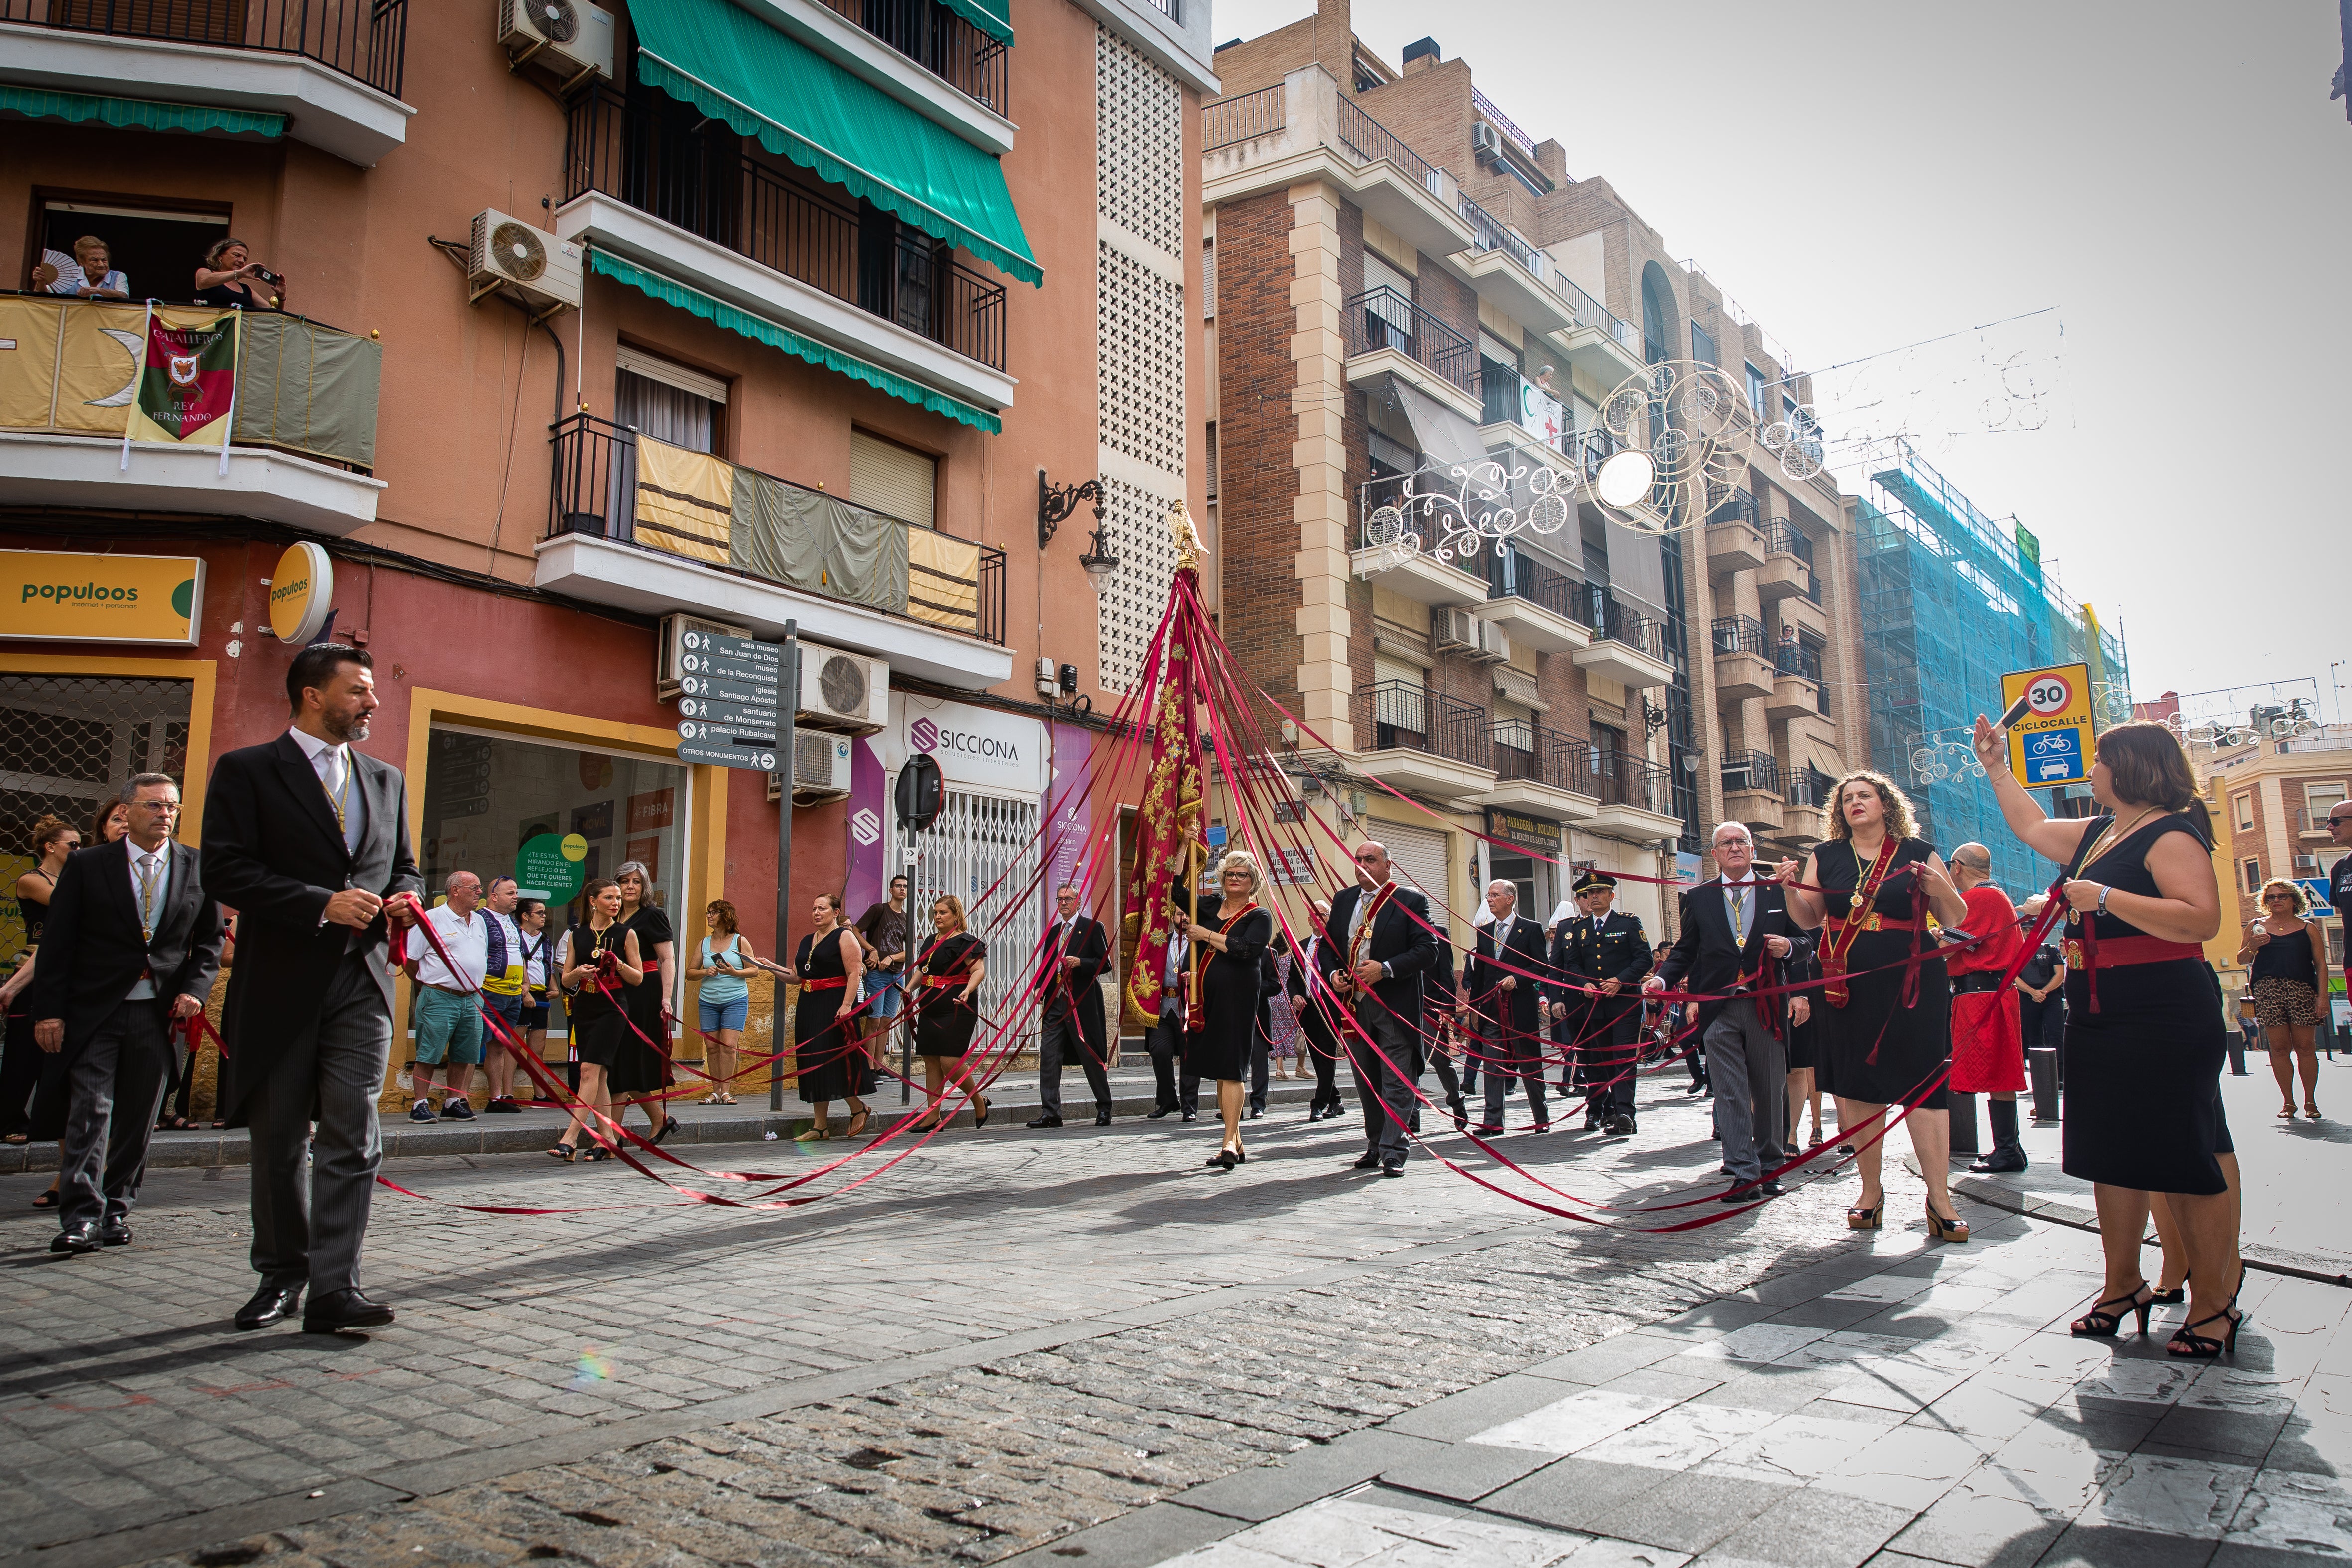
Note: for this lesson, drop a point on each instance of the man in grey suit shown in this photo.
(308, 840)
(133, 941)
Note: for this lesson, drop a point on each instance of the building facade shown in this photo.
(706, 316)
(1951, 600)
(1419, 326)
(2270, 793)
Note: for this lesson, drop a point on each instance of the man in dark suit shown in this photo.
(1607, 955)
(1735, 929)
(308, 840)
(1376, 945)
(132, 944)
(1504, 1005)
(1311, 999)
(1077, 948)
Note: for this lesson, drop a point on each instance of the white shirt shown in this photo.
(332, 764)
(1503, 934)
(148, 898)
(469, 941)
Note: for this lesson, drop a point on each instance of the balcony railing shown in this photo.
(1369, 139)
(1739, 506)
(1811, 787)
(1493, 235)
(1621, 778)
(1612, 620)
(664, 165)
(1231, 120)
(1400, 716)
(940, 41)
(1515, 574)
(1758, 770)
(1797, 659)
(1590, 312)
(363, 39)
(1534, 755)
(927, 576)
(1503, 123)
(1384, 318)
(1739, 634)
(1781, 539)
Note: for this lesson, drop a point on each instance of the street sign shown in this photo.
(725, 667)
(722, 752)
(729, 689)
(2052, 743)
(2317, 890)
(749, 717)
(725, 734)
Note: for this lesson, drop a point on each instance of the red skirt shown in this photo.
(1987, 1044)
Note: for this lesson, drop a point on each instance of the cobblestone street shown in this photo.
(1082, 1342)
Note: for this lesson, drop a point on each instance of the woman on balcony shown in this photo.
(1884, 1025)
(229, 277)
(92, 276)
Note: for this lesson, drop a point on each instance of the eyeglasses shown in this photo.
(152, 805)
(2333, 821)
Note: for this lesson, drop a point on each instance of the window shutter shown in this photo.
(892, 479)
(1209, 280)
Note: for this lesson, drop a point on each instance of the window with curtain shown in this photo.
(665, 413)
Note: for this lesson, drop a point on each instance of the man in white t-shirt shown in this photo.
(448, 1006)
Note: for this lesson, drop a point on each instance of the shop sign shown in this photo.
(551, 868)
(2049, 743)
(1534, 833)
(65, 596)
(974, 746)
(301, 594)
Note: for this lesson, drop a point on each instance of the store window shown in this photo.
(495, 804)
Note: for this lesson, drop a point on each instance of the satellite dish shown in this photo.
(1625, 478)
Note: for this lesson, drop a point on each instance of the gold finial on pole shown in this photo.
(1187, 535)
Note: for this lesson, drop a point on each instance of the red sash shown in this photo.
(1196, 1014)
(1843, 930)
(836, 983)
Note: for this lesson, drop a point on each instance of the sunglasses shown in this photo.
(2333, 821)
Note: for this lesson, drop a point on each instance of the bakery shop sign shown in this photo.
(1535, 834)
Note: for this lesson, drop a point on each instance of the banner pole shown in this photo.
(788, 712)
(236, 375)
(138, 374)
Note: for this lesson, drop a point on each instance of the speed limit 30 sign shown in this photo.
(2051, 744)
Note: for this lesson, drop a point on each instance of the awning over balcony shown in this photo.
(801, 106)
(1444, 437)
(991, 17)
(137, 113)
(669, 291)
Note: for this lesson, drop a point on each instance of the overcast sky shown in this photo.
(2168, 183)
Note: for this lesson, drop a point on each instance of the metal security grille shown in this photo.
(980, 845)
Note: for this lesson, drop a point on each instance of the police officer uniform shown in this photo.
(1606, 947)
(1569, 1028)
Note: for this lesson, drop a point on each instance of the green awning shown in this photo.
(759, 330)
(799, 105)
(138, 113)
(993, 17)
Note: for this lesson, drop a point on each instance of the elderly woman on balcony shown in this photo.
(91, 277)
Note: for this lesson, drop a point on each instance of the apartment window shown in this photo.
(1702, 344)
(2241, 807)
(1498, 380)
(667, 401)
(1208, 451)
(1388, 312)
(1209, 280)
(2317, 799)
(893, 478)
(1758, 399)
(2250, 873)
(155, 248)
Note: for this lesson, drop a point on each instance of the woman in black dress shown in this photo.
(2143, 1030)
(948, 978)
(598, 957)
(1804, 1042)
(1876, 1040)
(829, 1054)
(1231, 987)
(642, 1074)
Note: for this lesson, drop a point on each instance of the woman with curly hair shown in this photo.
(2290, 975)
(1880, 1035)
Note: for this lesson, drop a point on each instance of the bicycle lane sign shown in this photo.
(2052, 743)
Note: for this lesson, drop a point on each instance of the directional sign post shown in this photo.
(2051, 744)
(729, 692)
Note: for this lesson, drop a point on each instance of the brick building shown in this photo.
(2270, 794)
(1417, 320)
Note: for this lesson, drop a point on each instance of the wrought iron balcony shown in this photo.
(1758, 770)
(1538, 754)
(1399, 715)
(1493, 235)
(1798, 659)
(1367, 139)
(1739, 634)
(941, 42)
(1612, 620)
(663, 161)
(1621, 778)
(1738, 506)
(1811, 787)
(1228, 122)
(1516, 574)
(1384, 318)
(1781, 539)
(364, 39)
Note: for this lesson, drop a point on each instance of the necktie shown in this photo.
(147, 870)
(1737, 893)
(335, 777)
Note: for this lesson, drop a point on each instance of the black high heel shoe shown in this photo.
(1942, 1229)
(1223, 1160)
(2188, 1345)
(2175, 1296)
(2098, 1323)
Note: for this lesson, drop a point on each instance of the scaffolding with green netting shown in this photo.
(1952, 600)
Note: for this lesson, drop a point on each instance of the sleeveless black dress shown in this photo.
(1231, 986)
(2143, 1104)
(832, 1060)
(1874, 1049)
(597, 1023)
(943, 1020)
(640, 1069)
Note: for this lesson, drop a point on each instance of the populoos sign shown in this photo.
(54, 596)
(976, 748)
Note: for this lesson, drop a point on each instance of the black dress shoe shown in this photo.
(340, 1311)
(114, 1233)
(1157, 1112)
(1736, 1194)
(1772, 1189)
(81, 1238)
(270, 1304)
(1256, 1111)
(1371, 1161)
(1192, 1116)
(1047, 1121)
(1392, 1168)
(1314, 1113)
(1102, 1117)
(2000, 1160)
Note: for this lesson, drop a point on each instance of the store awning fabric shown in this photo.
(991, 17)
(721, 313)
(138, 113)
(799, 105)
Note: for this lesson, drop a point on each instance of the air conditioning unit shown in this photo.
(571, 36)
(2306, 864)
(666, 666)
(820, 767)
(1493, 644)
(846, 692)
(1455, 631)
(507, 253)
(1486, 142)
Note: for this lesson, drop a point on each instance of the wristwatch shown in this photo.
(2104, 891)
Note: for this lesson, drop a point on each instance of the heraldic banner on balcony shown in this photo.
(185, 391)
